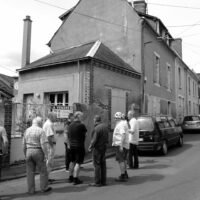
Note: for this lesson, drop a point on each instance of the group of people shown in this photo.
(125, 141)
(39, 144)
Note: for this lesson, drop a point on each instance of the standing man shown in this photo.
(133, 140)
(3, 145)
(76, 133)
(98, 147)
(33, 147)
(66, 142)
(50, 141)
(121, 144)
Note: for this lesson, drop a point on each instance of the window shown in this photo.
(169, 77)
(169, 108)
(166, 124)
(189, 85)
(59, 99)
(190, 109)
(179, 77)
(172, 123)
(157, 70)
(145, 123)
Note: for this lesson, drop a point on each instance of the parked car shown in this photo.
(191, 123)
(158, 133)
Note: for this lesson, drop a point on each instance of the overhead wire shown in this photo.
(7, 68)
(129, 28)
(175, 6)
(89, 16)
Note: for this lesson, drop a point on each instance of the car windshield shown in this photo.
(145, 123)
(191, 118)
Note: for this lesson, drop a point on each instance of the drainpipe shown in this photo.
(186, 92)
(79, 83)
(142, 66)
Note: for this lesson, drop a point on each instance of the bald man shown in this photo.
(33, 147)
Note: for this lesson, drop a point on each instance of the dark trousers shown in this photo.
(67, 157)
(133, 152)
(99, 162)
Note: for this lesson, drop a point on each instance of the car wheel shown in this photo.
(164, 149)
(180, 141)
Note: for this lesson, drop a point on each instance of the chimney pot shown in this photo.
(140, 6)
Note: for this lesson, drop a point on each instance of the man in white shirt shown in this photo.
(121, 143)
(133, 140)
(50, 141)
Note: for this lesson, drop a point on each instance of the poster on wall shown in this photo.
(62, 112)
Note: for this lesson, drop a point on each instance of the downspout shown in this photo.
(186, 98)
(79, 96)
(142, 66)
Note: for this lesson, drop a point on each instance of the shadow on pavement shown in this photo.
(156, 166)
(135, 180)
(23, 195)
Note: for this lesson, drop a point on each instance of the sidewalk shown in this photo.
(19, 171)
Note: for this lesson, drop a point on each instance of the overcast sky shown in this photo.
(181, 17)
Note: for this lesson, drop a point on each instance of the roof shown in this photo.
(94, 50)
(153, 18)
(6, 84)
(68, 12)
(8, 79)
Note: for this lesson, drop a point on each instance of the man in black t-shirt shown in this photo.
(76, 135)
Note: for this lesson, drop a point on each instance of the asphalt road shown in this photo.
(172, 177)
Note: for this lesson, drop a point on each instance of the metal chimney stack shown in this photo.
(26, 49)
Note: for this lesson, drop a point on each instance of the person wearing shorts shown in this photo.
(76, 135)
(121, 143)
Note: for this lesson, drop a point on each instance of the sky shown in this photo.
(181, 17)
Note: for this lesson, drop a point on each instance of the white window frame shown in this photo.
(169, 77)
(157, 69)
(179, 78)
(64, 99)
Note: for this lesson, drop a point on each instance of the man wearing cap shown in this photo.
(98, 147)
(121, 144)
(76, 135)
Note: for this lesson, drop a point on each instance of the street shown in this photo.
(172, 177)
